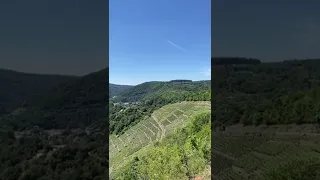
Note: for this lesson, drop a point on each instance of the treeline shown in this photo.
(294, 108)
(268, 93)
(122, 117)
(182, 155)
(146, 91)
(233, 60)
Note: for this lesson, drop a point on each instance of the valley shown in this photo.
(58, 132)
(145, 119)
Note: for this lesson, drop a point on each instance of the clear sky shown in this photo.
(270, 30)
(162, 40)
(54, 36)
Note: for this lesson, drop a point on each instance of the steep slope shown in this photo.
(124, 115)
(144, 136)
(115, 89)
(267, 120)
(75, 104)
(17, 87)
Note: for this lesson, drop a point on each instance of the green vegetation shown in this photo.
(115, 89)
(182, 155)
(151, 131)
(266, 154)
(58, 133)
(278, 104)
(151, 96)
(151, 90)
(39, 156)
(77, 104)
(17, 87)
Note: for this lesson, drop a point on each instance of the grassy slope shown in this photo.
(141, 138)
(256, 152)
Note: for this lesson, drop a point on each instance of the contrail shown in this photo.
(173, 44)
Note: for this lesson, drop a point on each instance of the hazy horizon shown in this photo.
(159, 81)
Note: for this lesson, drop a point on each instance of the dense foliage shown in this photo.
(77, 104)
(115, 89)
(267, 93)
(38, 156)
(59, 133)
(182, 155)
(146, 91)
(122, 116)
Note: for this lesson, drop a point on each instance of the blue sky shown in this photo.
(153, 40)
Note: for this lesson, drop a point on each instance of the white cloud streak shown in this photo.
(176, 46)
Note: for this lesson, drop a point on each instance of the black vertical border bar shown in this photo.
(106, 135)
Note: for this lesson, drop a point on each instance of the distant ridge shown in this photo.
(180, 80)
(17, 87)
(233, 60)
(115, 89)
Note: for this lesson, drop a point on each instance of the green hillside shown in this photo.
(115, 89)
(156, 132)
(17, 87)
(59, 133)
(141, 100)
(149, 90)
(266, 120)
(77, 104)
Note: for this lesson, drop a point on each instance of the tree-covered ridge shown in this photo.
(115, 89)
(17, 87)
(183, 155)
(77, 104)
(148, 90)
(122, 116)
(233, 60)
(268, 93)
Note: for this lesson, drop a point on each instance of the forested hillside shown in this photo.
(115, 89)
(59, 133)
(267, 93)
(266, 119)
(16, 87)
(148, 90)
(151, 96)
(76, 104)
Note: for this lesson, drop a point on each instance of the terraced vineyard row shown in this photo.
(152, 129)
(251, 156)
